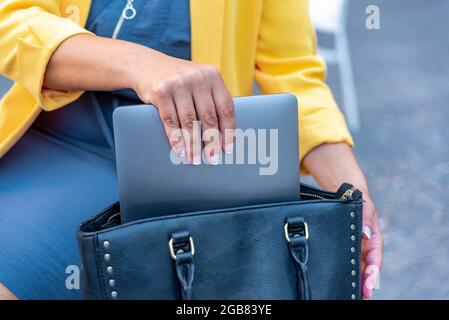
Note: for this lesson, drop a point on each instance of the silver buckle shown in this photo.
(306, 231)
(172, 250)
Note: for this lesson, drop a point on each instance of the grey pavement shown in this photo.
(401, 74)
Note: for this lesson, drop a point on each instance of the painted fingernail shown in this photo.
(181, 152)
(196, 160)
(366, 232)
(373, 275)
(371, 281)
(377, 285)
(229, 148)
(215, 159)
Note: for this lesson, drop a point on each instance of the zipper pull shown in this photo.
(348, 192)
(128, 13)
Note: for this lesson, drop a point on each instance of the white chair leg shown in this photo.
(347, 83)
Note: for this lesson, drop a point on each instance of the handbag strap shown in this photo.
(297, 234)
(182, 250)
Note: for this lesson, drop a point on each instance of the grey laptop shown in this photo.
(264, 167)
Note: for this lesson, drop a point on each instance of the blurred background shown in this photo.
(400, 122)
(392, 84)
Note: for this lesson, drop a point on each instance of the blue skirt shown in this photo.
(60, 172)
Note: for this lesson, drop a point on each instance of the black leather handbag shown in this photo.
(307, 249)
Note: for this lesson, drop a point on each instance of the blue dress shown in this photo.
(62, 170)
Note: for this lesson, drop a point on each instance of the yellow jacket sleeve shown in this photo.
(31, 30)
(286, 61)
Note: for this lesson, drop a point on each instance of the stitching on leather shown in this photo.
(106, 210)
(200, 213)
(203, 213)
(247, 210)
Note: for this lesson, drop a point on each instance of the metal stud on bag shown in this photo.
(109, 269)
(353, 238)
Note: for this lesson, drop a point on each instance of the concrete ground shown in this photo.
(401, 74)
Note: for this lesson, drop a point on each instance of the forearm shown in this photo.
(86, 62)
(331, 164)
(172, 85)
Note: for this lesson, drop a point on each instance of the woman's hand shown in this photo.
(372, 246)
(185, 92)
(5, 294)
(331, 165)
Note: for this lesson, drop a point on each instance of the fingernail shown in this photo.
(366, 232)
(229, 148)
(181, 152)
(373, 275)
(371, 281)
(215, 159)
(377, 285)
(196, 160)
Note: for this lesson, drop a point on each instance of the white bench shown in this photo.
(329, 17)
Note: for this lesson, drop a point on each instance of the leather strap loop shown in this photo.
(182, 251)
(299, 251)
(296, 229)
(185, 270)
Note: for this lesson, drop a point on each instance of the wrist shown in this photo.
(134, 65)
(146, 66)
(333, 164)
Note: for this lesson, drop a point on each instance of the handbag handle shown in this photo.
(182, 251)
(297, 233)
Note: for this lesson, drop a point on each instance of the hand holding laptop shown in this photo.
(184, 92)
(263, 167)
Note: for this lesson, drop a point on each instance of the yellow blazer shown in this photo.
(270, 40)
